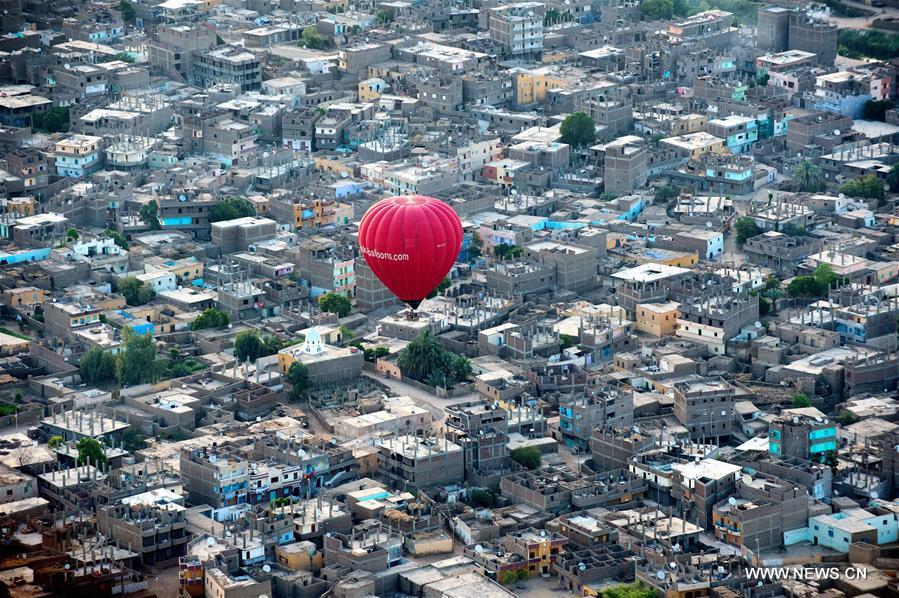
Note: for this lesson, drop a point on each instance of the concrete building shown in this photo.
(420, 462)
(517, 28)
(705, 408)
(242, 234)
(226, 64)
(625, 165)
(574, 265)
(78, 155)
(802, 433)
(155, 528)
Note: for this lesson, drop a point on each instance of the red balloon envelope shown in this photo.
(410, 242)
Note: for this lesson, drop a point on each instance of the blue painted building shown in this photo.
(805, 433)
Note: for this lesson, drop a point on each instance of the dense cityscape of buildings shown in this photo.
(664, 360)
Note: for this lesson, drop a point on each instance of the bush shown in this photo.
(528, 456)
(231, 208)
(868, 187)
(507, 252)
(54, 120)
(482, 497)
(745, 228)
(335, 303)
(135, 292)
(855, 43)
(800, 400)
(657, 9)
(877, 109)
(211, 318)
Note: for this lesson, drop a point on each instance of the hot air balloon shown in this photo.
(410, 242)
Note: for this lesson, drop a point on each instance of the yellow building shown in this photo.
(695, 145)
(318, 213)
(372, 89)
(23, 206)
(299, 556)
(657, 319)
(24, 296)
(530, 85)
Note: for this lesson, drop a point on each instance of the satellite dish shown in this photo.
(210, 541)
(266, 568)
(732, 501)
(875, 495)
(758, 324)
(68, 566)
(747, 479)
(660, 574)
(582, 567)
(478, 548)
(673, 565)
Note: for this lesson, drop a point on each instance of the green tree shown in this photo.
(527, 456)
(270, 345)
(808, 178)
(482, 497)
(91, 451)
(868, 43)
(578, 129)
(629, 590)
(248, 346)
(72, 234)
(666, 193)
(475, 249)
(805, 286)
(231, 208)
(657, 10)
(135, 291)
(505, 251)
(55, 441)
(138, 363)
(132, 440)
(211, 318)
(54, 120)
(335, 303)
(441, 286)
(831, 459)
(893, 178)
(825, 276)
(800, 400)
(868, 186)
(383, 17)
(745, 228)
(426, 360)
(298, 376)
(97, 366)
(149, 213)
(876, 109)
(117, 238)
(312, 39)
(847, 418)
(128, 14)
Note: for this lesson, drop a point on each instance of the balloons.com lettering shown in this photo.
(381, 255)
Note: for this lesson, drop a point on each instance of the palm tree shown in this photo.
(421, 357)
(808, 177)
(893, 178)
